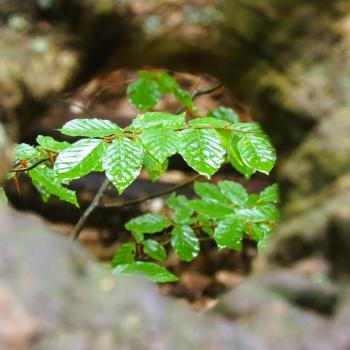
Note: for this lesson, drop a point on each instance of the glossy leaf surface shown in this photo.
(148, 223)
(51, 144)
(185, 242)
(124, 255)
(234, 192)
(123, 162)
(153, 271)
(79, 159)
(226, 114)
(160, 142)
(91, 128)
(229, 233)
(154, 250)
(45, 176)
(202, 150)
(257, 152)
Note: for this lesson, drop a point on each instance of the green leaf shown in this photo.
(154, 250)
(43, 190)
(124, 255)
(270, 194)
(182, 212)
(202, 150)
(257, 152)
(155, 272)
(123, 162)
(153, 166)
(174, 202)
(185, 242)
(160, 142)
(209, 192)
(99, 165)
(79, 159)
(3, 197)
(250, 127)
(229, 233)
(51, 144)
(259, 231)
(25, 151)
(208, 123)
(253, 200)
(260, 213)
(148, 223)
(91, 128)
(206, 225)
(139, 237)
(45, 176)
(229, 141)
(211, 209)
(166, 83)
(233, 191)
(143, 94)
(183, 97)
(151, 119)
(223, 113)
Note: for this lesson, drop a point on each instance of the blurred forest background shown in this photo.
(285, 64)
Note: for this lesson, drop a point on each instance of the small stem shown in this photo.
(93, 205)
(16, 182)
(203, 239)
(155, 195)
(197, 93)
(31, 167)
(225, 127)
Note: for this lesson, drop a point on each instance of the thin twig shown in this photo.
(152, 196)
(30, 167)
(93, 205)
(97, 199)
(196, 93)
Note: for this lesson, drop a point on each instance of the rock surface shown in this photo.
(53, 296)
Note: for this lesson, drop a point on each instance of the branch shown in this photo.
(196, 93)
(155, 195)
(97, 199)
(31, 167)
(93, 205)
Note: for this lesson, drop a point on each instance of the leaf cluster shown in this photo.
(204, 143)
(224, 213)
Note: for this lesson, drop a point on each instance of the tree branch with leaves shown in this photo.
(224, 212)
